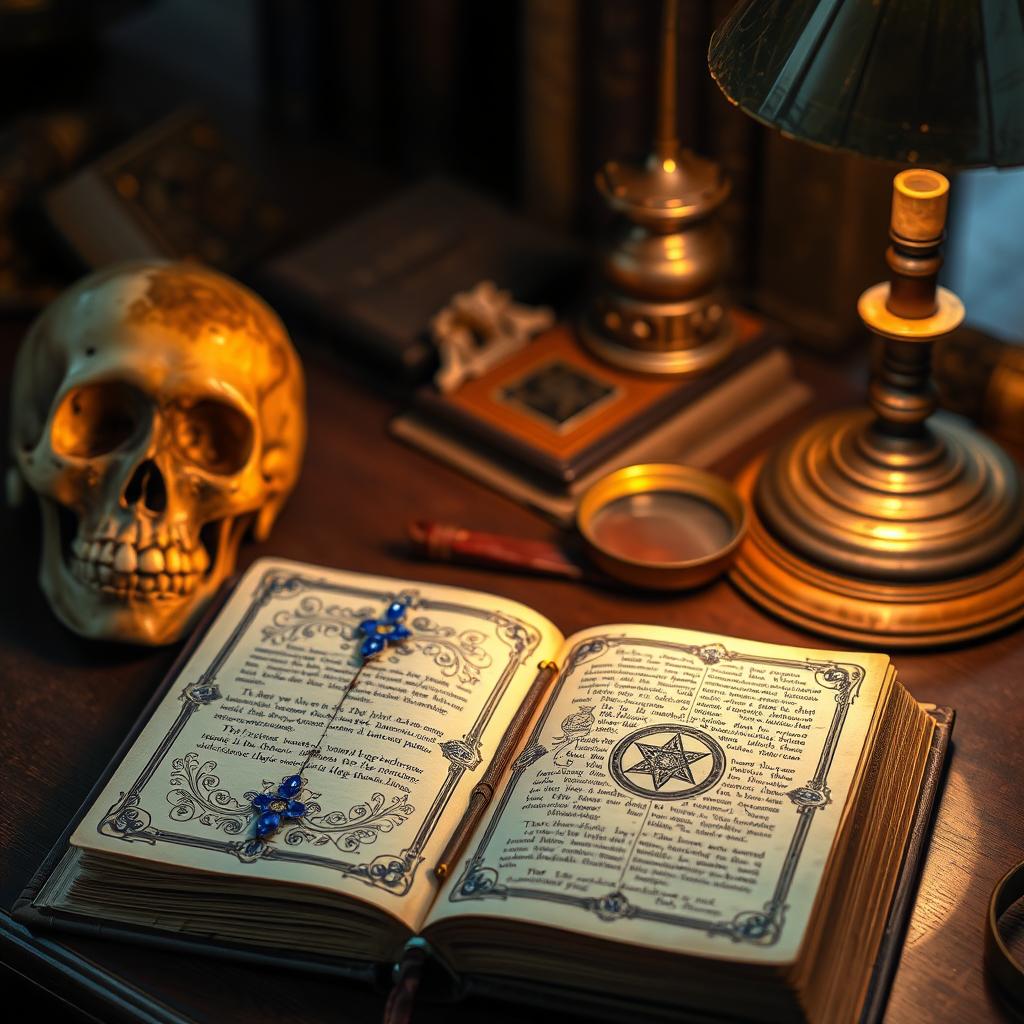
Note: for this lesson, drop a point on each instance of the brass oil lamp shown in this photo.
(660, 307)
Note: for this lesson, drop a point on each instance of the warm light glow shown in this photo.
(890, 533)
(668, 165)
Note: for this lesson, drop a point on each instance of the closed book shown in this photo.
(375, 282)
(560, 412)
(698, 434)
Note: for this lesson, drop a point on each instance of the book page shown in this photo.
(677, 790)
(393, 765)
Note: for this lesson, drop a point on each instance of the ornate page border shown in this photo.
(127, 820)
(762, 927)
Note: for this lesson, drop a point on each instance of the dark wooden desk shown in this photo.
(68, 703)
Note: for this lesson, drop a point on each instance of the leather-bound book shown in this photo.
(374, 282)
(677, 825)
(560, 412)
(178, 190)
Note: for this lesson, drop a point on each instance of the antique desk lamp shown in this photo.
(889, 524)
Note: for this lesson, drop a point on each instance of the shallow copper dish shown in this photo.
(661, 525)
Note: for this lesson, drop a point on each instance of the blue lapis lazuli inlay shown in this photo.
(380, 633)
(275, 809)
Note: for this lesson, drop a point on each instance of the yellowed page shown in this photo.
(679, 790)
(395, 766)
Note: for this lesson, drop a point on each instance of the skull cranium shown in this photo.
(157, 412)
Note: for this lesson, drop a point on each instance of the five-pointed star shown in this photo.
(667, 762)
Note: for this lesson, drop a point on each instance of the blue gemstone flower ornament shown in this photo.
(274, 809)
(380, 633)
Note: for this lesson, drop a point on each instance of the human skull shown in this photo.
(158, 412)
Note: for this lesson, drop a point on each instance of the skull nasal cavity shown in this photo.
(147, 487)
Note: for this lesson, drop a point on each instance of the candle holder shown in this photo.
(891, 523)
(660, 307)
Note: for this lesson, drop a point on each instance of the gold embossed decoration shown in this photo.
(158, 411)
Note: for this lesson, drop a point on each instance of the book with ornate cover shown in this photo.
(559, 412)
(705, 429)
(691, 824)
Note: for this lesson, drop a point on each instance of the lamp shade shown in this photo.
(939, 82)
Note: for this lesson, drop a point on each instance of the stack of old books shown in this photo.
(551, 419)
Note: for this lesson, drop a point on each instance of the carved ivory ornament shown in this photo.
(480, 328)
(158, 412)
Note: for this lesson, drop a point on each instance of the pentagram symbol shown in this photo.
(667, 762)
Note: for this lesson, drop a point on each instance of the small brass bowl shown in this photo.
(662, 526)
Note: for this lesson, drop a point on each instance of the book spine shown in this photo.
(694, 95)
(620, 73)
(351, 52)
(550, 110)
(619, 83)
(426, 72)
(818, 247)
(289, 63)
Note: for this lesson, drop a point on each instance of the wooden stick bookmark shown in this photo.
(483, 791)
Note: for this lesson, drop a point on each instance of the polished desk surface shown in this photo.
(68, 703)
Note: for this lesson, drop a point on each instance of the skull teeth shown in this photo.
(125, 559)
(122, 568)
(151, 561)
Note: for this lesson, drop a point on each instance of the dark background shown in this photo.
(334, 105)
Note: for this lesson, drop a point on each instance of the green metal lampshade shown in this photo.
(937, 82)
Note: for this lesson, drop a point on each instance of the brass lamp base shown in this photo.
(877, 607)
(891, 526)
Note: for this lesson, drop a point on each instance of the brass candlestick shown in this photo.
(890, 524)
(660, 307)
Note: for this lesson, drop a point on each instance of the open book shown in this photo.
(691, 822)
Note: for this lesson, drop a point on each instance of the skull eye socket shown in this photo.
(215, 436)
(97, 418)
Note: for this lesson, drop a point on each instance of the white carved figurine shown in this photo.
(480, 328)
